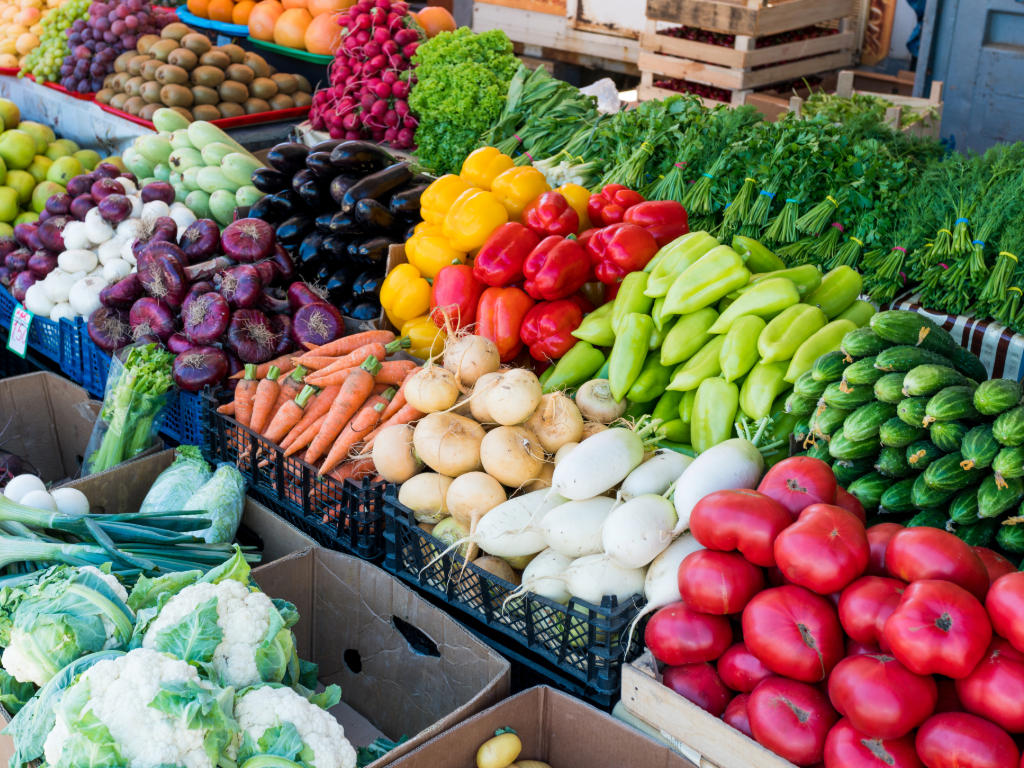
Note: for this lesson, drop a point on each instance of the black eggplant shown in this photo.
(363, 310)
(374, 250)
(407, 202)
(360, 157)
(265, 209)
(310, 272)
(293, 230)
(410, 230)
(344, 224)
(310, 246)
(288, 203)
(326, 146)
(288, 157)
(374, 216)
(422, 180)
(323, 222)
(340, 185)
(376, 185)
(335, 248)
(313, 194)
(301, 178)
(320, 164)
(322, 274)
(339, 283)
(270, 181)
(367, 284)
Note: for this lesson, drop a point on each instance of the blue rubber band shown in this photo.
(962, 221)
(708, 175)
(770, 194)
(791, 200)
(978, 242)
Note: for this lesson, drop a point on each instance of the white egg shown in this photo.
(22, 484)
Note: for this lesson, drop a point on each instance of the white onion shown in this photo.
(62, 310)
(126, 251)
(128, 184)
(155, 209)
(136, 207)
(71, 501)
(22, 484)
(37, 302)
(116, 269)
(75, 237)
(39, 500)
(97, 229)
(111, 249)
(183, 217)
(85, 295)
(129, 229)
(57, 285)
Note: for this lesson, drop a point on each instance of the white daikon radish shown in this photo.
(655, 475)
(638, 531)
(541, 577)
(736, 463)
(661, 585)
(593, 577)
(601, 462)
(39, 500)
(18, 486)
(574, 529)
(71, 501)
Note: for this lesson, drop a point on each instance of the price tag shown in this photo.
(21, 321)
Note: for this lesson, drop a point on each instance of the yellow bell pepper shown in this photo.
(518, 187)
(577, 197)
(421, 226)
(472, 218)
(430, 252)
(439, 196)
(426, 339)
(483, 166)
(404, 294)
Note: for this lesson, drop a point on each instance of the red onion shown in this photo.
(179, 343)
(170, 249)
(17, 261)
(7, 245)
(34, 243)
(23, 231)
(197, 290)
(106, 171)
(200, 240)
(149, 338)
(81, 205)
(51, 233)
(234, 366)
(158, 190)
(248, 240)
(59, 205)
(6, 276)
(268, 270)
(160, 230)
(241, 286)
(42, 263)
(22, 283)
(301, 293)
(163, 277)
(108, 329)
(283, 327)
(285, 265)
(104, 187)
(206, 318)
(151, 315)
(44, 216)
(199, 367)
(115, 208)
(273, 303)
(251, 336)
(80, 185)
(124, 293)
(318, 323)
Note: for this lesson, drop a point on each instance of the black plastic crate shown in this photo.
(583, 641)
(346, 516)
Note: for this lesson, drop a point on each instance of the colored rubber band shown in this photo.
(832, 200)
(838, 226)
(858, 242)
(962, 221)
(1007, 253)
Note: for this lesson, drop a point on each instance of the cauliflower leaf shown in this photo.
(194, 638)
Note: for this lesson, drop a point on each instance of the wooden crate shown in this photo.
(753, 18)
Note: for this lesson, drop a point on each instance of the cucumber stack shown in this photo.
(913, 429)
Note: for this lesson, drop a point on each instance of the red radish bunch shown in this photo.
(371, 76)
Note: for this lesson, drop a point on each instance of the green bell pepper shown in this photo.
(688, 336)
(636, 410)
(714, 413)
(826, 340)
(546, 376)
(596, 327)
(806, 278)
(859, 312)
(784, 334)
(686, 405)
(577, 366)
(717, 273)
(667, 408)
(628, 355)
(766, 299)
(676, 430)
(657, 315)
(678, 256)
(659, 335)
(739, 351)
(683, 448)
(651, 382)
(631, 298)
(702, 365)
(762, 386)
(756, 256)
(838, 290)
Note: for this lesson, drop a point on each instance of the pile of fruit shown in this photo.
(305, 25)
(183, 70)
(44, 61)
(21, 24)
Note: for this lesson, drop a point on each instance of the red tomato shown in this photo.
(741, 670)
(736, 715)
(700, 684)
(851, 504)
(960, 740)
(799, 482)
(791, 719)
(948, 701)
(719, 583)
(866, 604)
(824, 550)
(938, 628)
(995, 688)
(776, 578)
(678, 635)
(846, 747)
(878, 540)
(853, 648)
(880, 696)
(995, 564)
(794, 633)
(1005, 606)
(923, 552)
(745, 520)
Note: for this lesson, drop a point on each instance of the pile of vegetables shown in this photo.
(337, 208)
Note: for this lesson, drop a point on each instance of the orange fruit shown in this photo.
(199, 8)
(289, 4)
(323, 35)
(220, 10)
(316, 7)
(262, 19)
(290, 29)
(241, 11)
(435, 19)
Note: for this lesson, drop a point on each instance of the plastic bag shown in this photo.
(177, 484)
(223, 498)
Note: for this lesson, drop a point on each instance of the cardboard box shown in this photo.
(554, 728)
(404, 667)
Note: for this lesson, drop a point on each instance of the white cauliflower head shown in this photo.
(110, 579)
(141, 699)
(268, 707)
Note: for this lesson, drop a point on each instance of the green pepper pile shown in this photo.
(913, 429)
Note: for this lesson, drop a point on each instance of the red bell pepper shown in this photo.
(619, 249)
(611, 203)
(454, 295)
(551, 214)
(556, 268)
(665, 219)
(500, 260)
(500, 316)
(581, 301)
(547, 328)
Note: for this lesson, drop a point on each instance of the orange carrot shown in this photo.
(354, 358)
(316, 408)
(244, 394)
(228, 409)
(379, 389)
(263, 403)
(395, 371)
(305, 438)
(358, 427)
(310, 346)
(288, 416)
(393, 407)
(353, 394)
(283, 363)
(291, 386)
(405, 415)
(315, 363)
(349, 344)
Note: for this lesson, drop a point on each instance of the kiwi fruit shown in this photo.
(174, 95)
(147, 112)
(209, 76)
(304, 85)
(183, 112)
(232, 92)
(146, 42)
(149, 69)
(263, 88)
(107, 80)
(150, 92)
(118, 101)
(104, 95)
(217, 59)
(240, 74)
(183, 58)
(286, 84)
(197, 43)
(135, 65)
(133, 86)
(281, 101)
(257, 64)
(133, 105)
(230, 109)
(203, 94)
(234, 52)
(175, 31)
(205, 112)
(273, 70)
(117, 81)
(121, 62)
(169, 74)
(302, 99)
(162, 49)
(251, 106)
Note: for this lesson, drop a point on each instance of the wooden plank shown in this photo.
(772, 107)
(735, 79)
(753, 21)
(746, 59)
(783, 17)
(552, 7)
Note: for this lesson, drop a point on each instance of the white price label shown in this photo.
(21, 321)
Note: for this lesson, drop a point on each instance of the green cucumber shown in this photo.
(801, 430)
(1008, 427)
(866, 420)
(921, 453)
(968, 363)
(863, 342)
(889, 388)
(862, 372)
(848, 471)
(829, 367)
(892, 462)
(869, 489)
(840, 447)
(898, 434)
(949, 474)
(826, 420)
(1009, 462)
(930, 518)
(912, 411)
(951, 403)
(905, 358)
(801, 406)
(903, 327)
(819, 450)
(839, 394)
(979, 534)
(926, 497)
(997, 395)
(963, 510)
(1011, 537)
(994, 497)
(927, 380)
(947, 435)
(808, 386)
(979, 447)
(898, 497)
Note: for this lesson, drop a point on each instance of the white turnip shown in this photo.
(431, 389)
(514, 398)
(596, 403)
(473, 495)
(470, 357)
(543, 480)
(478, 401)
(511, 455)
(393, 454)
(425, 495)
(448, 444)
(556, 421)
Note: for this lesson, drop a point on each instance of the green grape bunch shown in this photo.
(44, 61)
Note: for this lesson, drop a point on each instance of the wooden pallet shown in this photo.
(753, 18)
